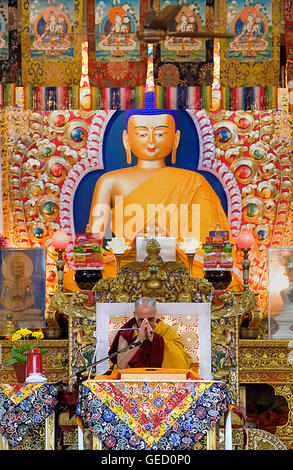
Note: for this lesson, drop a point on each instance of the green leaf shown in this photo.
(14, 361)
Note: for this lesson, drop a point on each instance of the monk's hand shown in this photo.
(142, 332)
(145, 331)
(149, 332)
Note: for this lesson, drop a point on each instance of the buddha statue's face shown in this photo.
(151, 137)
(17, 267)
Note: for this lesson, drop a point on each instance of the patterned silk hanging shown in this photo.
(9, 59)
(250, 62)
(51, 56)
(183, 67)
(289, 48)
(117, 61)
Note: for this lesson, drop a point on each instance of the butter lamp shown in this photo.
(118, 246)
(190, 245)
(60, 242)
(245, 240)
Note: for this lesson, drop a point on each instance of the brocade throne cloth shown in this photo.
(128, 415)
(22, 407)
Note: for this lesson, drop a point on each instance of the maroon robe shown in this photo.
(150, 353)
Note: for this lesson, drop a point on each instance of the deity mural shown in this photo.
(189, 19)
(115, 31)
(252, 26)
(51, 31)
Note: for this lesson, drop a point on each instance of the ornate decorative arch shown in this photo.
(94, 161)
(243, 150)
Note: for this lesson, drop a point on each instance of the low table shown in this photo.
(153, 415)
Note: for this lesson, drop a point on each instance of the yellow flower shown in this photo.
(25, 332)
(16, 336)
(38, 334)
(20, 334)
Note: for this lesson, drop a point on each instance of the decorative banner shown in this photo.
(183, 97)
(51, 98)
(117, 61)
(289, 48)
(247, 98)
(117, 98)
(183, 67)
(250, 60)
(7, 95)
(9, 59)
(51, 43)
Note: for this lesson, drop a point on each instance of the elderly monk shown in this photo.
(151, 193)
(163, 347)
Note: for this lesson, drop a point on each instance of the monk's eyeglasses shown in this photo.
(139, 320)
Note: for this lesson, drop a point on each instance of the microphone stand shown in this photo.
(79, 373)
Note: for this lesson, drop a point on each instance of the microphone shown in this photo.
(139, 343)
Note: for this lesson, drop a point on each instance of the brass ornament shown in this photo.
(56, 169)
(245, 170)
(244, 122)
(75, 133)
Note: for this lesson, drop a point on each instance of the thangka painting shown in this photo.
(23, 286)
(51, 31)
(191, 18)
(115, 56)
(116, 25)
(252, 26)
(252, 56)
(3, 30)
(51, 42)
(183, 67)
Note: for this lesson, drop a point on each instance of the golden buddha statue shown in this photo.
(151, 193)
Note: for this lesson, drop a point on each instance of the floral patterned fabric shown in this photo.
(126, 415)
(22, 407)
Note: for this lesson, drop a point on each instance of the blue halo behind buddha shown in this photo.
(114, 156)
(150, 110)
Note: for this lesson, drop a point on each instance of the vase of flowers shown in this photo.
(24, 340)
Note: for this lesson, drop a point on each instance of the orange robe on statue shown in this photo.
(166, 187)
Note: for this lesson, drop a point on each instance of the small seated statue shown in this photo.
(17, 296)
